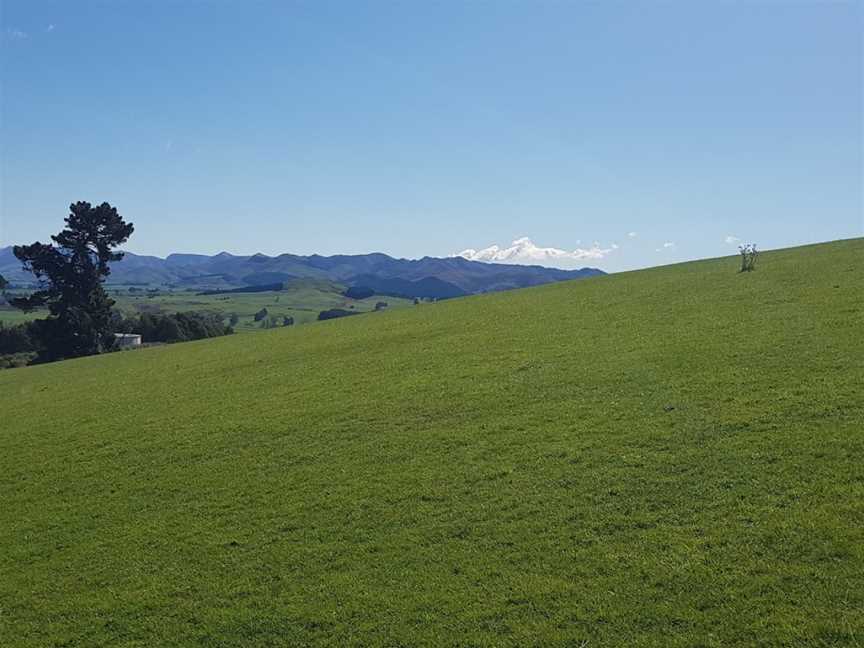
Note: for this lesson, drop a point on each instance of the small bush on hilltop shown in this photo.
(748, 257)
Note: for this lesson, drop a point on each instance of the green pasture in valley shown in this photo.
(302, 300)
(12, 316)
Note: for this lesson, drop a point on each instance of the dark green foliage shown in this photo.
(423, 288)
(359, 292)
(71, 272)
(3, 283)
(175, 327)
(380, 306)
(246, 289)
(15, 360)
(166, 329)
(333, 313)
(287, 321)
(261, 314)
(16, 339)
(234, 319)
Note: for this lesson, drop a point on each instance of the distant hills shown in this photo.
(428, 277)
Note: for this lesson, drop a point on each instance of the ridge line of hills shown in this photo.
(429, 277)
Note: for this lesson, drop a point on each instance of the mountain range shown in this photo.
(429, 277)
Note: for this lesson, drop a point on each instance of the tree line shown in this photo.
(173, 327)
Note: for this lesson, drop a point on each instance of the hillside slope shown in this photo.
(669, 457)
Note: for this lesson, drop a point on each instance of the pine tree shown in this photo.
(71, 271)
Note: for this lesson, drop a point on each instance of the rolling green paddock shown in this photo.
(670, 457)
(12, 316)
(303, 302)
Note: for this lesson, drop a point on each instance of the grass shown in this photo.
(302, 300)
(670, 457)
(12, 316)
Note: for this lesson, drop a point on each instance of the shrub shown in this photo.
(359, 292)
(261, 314)
(333, 313)
(15, 360)
(748, 257)
(16, 339)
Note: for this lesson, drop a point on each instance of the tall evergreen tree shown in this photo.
(70, 273)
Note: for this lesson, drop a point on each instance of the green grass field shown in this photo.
(302, 301)
(12, 316)
(670, 457)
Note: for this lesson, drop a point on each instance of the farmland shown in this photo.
(302, 300)
(668, 457)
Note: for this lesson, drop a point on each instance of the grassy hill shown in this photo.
(670, 457)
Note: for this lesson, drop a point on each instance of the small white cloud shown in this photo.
(731, 240)
(523, 251)
(16, 34)
(668, 244)
(50, 28)
(631, 234)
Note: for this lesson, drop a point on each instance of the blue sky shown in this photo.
(428, 128)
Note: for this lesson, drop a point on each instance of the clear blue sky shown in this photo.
(419, 128)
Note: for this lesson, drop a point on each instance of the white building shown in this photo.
(127, 340)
